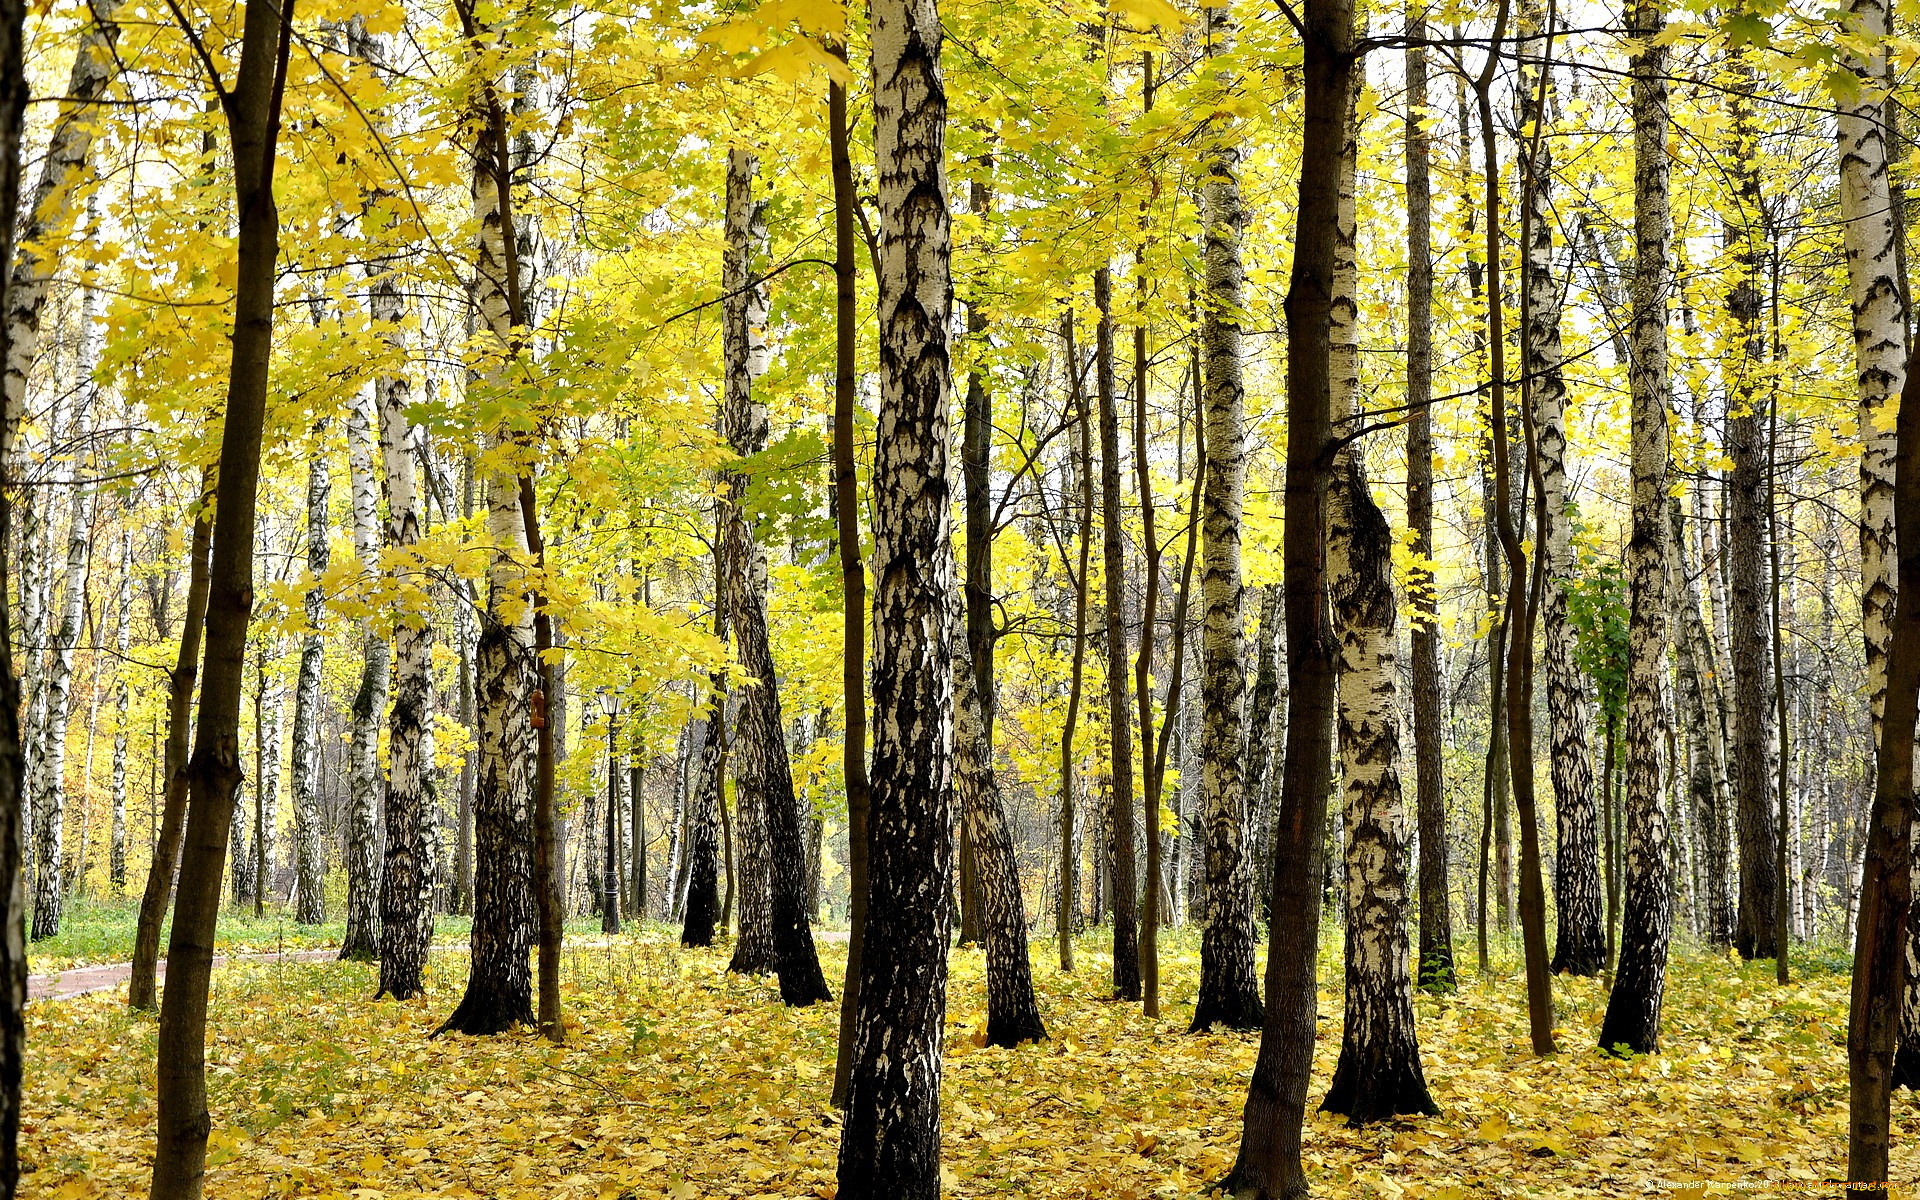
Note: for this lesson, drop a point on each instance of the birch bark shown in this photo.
(1633, 1005)
(1229, 994)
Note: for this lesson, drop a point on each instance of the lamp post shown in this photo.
(610, 876)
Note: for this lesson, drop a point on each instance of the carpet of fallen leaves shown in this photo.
(683, 1082)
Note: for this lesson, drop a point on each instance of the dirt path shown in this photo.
(79, 981)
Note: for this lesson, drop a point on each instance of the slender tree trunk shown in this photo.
(141, 992)
(51, 786)
(361, 942)
(13, 835)
(976, 463)
(1580, 942)
(123, 649)
(1269, 1166)
(1523, 581)
(406, 876)
(1120, 859)
(252, 106)
(1081, 469)
(775, 882)
(1229, 994)
(310, 849)
(853, 572)
(890, 1147)
(1633, 1005)
(1750, 637)
(1152, 761)
(1013, 1016)
(1378, 1075)
(1436, 919)
(266, 793)
(1702, 760)
(1265, 715)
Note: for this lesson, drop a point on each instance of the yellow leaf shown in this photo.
(1149, 14)
(1492, 1129)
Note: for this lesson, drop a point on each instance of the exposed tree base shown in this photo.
(359, 950)
(1906, 1066)
(1379, 1091)
(751, 960)
(1236, 1185)
(801, 981)
(1585, 959)
(1011, 1029)
(484, 1012)
(1241, 1012)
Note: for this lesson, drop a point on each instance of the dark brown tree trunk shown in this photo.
(1523, 589)
(610, 850)
(1124, 886)
(252, 109)
(1269, 1166)
(853, 573)
(1886, 888)
(1749, 636)
(976, 462)
(13, 914)
(1435, 970)
(890, 1145)
(1081, 468)
(142, 994)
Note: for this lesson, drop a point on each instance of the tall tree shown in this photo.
(1880, 963)
(1268, 1166)
(890, 1144)
(763, 774)
(123, 651)
(1378, 1074)
(499, 990)
(976, 469)
(1580, 941)
(853, 569)
(1120, 860)
(13, 892)
(1013, 1015)
(406, 875)
(141, 992)
(1229, 994)
(361, 941)
(1633, 1004)
(310, 852)
(1080, 469)
(252, 110)
(50, 766)
(1436, 920)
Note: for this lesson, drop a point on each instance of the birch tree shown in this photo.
(773, 850)
(310, 854)
(1229, 994)
(1639, 985)
(890, 1143)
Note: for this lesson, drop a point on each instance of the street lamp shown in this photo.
(610, 876)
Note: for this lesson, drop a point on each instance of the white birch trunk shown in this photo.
(310, 854)
(51, 764)
(362, 938)
(123, 647)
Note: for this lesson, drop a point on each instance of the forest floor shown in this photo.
(681, 1081)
